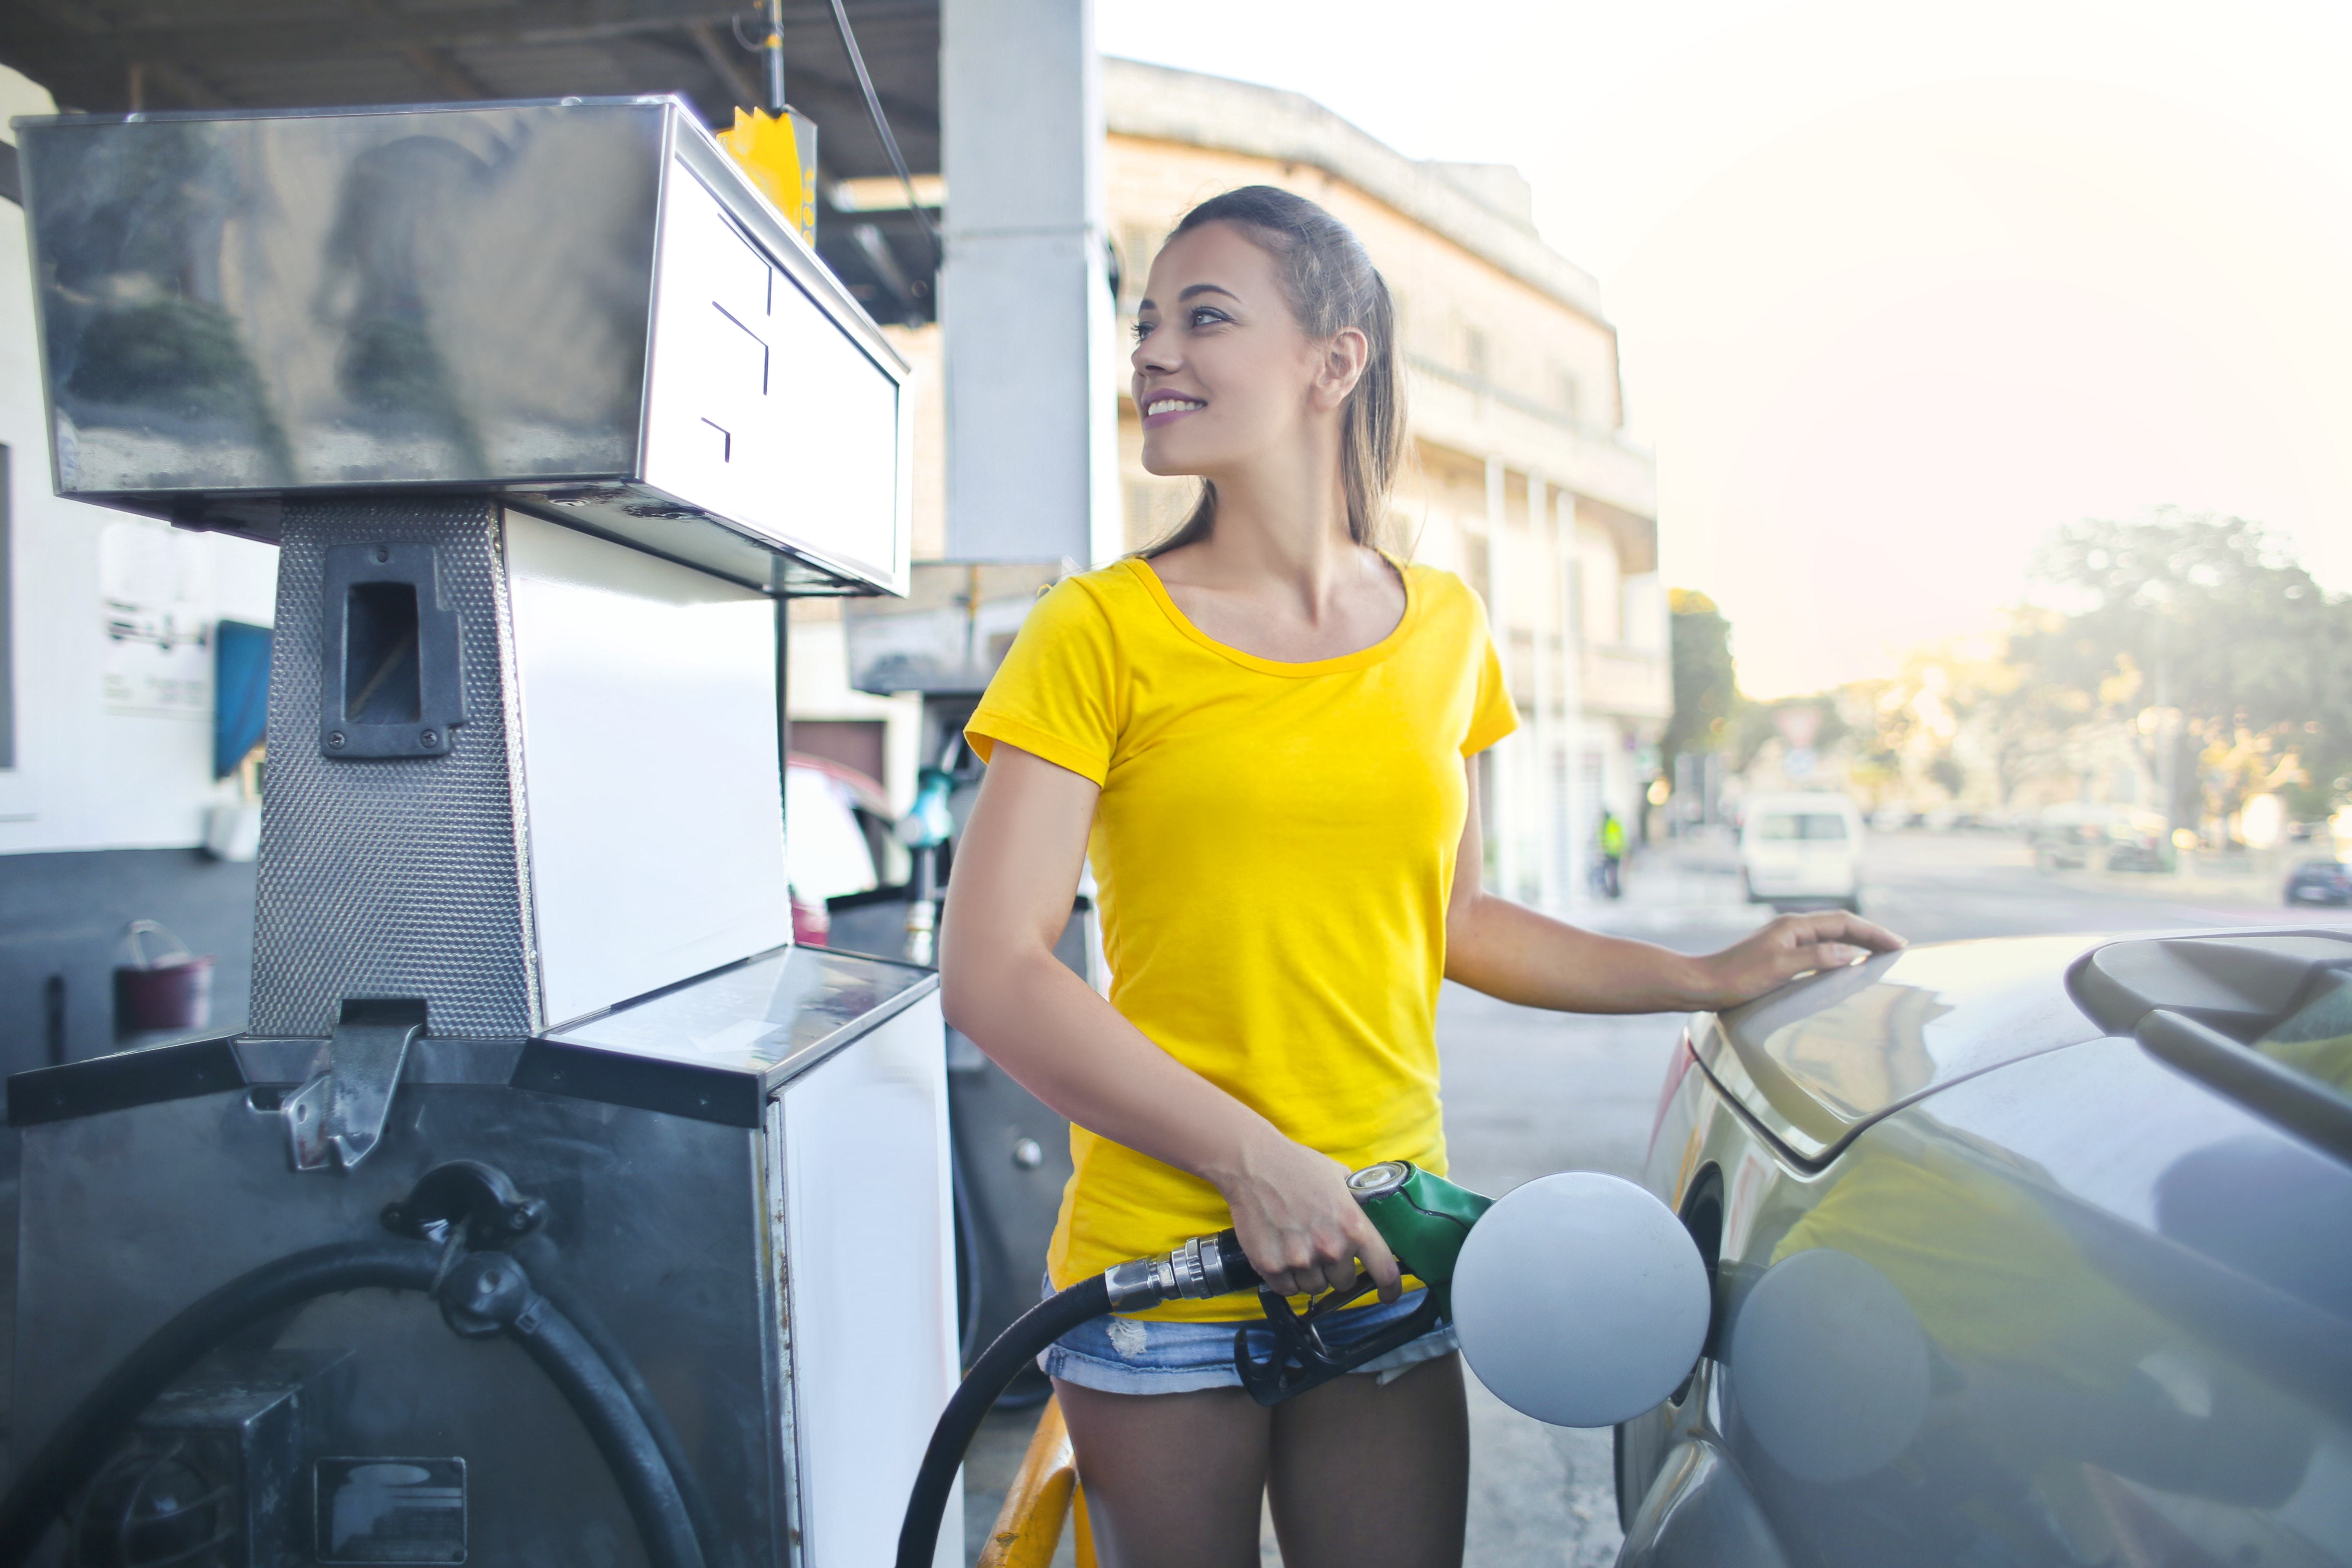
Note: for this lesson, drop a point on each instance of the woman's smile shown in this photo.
(1167, 408)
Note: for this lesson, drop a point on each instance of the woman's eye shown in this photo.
(1143, 329)
(1205, 315)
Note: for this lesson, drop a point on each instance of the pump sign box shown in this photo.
(583, 307)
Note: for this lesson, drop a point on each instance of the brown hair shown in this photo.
(1332, 285)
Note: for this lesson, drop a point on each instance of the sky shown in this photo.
(1899, 287)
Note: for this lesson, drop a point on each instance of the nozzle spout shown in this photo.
(1204, 1267)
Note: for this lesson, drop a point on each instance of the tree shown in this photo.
(1706, 686)
(2211, 639)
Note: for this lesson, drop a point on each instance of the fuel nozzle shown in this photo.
(1423, 1218)
(1204, 1267)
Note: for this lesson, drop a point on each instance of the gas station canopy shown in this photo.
(109, 55)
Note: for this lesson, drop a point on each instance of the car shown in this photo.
(2320, 882)
(837, 842)
(1802, 850)
(2029, 1251)
(2075, 834)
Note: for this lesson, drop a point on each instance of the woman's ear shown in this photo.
(1344, 358)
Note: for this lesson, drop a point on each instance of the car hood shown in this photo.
(1817, 1061)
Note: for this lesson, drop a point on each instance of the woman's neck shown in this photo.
(1281, 521)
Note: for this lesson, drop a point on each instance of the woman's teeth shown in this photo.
(1172, 405)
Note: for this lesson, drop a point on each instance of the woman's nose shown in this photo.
(1150, 352)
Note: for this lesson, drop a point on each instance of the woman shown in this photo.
(1264, 733)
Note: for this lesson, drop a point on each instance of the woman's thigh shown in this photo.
(1360, 1473)
(1172, 1481)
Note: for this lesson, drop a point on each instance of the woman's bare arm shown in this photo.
(1016, 867)
(1509, 950)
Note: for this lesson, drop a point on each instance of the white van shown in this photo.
(1802, 850)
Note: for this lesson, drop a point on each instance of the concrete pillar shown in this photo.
(1576, 811)
(1546, 679)
(1025, 298)
(1502, 817)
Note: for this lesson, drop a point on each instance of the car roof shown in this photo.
(863, 791)
(1820, 1059)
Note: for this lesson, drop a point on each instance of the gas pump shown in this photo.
(553, 1209)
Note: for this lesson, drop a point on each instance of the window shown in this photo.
(2317, 1041)
(1810, 827)
(1474, 352)
(1137, 247)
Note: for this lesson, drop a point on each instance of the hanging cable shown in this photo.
(882, 129)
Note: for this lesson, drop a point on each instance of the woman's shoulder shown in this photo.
(1443, 593)
(1100, 600)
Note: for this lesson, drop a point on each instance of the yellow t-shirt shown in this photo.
(1273, 847)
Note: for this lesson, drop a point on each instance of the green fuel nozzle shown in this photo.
(1423, 1218)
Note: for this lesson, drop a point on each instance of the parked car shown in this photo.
(1802, 850)
(837, 840)
(2029, 1251)
(2320, 882)
(2076, 835)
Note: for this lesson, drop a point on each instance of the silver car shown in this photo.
(2027, 1251)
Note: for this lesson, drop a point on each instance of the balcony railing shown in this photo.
(1631, 681)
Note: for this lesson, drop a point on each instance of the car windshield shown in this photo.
(1811, 826)
(2315, 1040)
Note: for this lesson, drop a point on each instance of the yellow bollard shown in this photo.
(1044, 1494)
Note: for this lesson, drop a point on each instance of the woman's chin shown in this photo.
(1163, 464)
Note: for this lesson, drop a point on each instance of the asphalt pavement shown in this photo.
(1530, 1092)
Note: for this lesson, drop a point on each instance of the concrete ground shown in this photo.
(1529, 1092)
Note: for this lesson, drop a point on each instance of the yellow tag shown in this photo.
(779, 152)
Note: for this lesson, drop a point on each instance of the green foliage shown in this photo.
(2231, 662)
(1759, 724)
(1707, 688)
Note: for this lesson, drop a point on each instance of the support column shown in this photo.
(1502, 815)
(1576, 811)
(1546, 681)
(1025, 297)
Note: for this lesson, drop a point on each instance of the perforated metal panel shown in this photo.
(398, 877)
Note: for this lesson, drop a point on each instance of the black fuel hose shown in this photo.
(1204, 1267)
(489, 1284)
(547, 1273)
(1016, 1347)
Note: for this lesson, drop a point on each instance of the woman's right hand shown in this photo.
(1300, 1228)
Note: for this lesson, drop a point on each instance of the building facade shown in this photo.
(1520, 477)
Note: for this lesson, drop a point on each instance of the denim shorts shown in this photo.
(1131, 1355)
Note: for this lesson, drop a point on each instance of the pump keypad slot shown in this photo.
(388, 682)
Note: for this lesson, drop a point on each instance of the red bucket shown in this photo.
(170, 990)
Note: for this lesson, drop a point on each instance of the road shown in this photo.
(1529, 1092)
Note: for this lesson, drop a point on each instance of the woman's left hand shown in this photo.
(1789, 946)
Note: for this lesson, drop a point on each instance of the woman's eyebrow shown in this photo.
(1191, 290)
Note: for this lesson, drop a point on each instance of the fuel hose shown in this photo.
(1204, 1267)
(490, 1286)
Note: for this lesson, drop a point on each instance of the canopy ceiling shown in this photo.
(106, 56)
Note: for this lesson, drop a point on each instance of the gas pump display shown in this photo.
(553, 1209)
